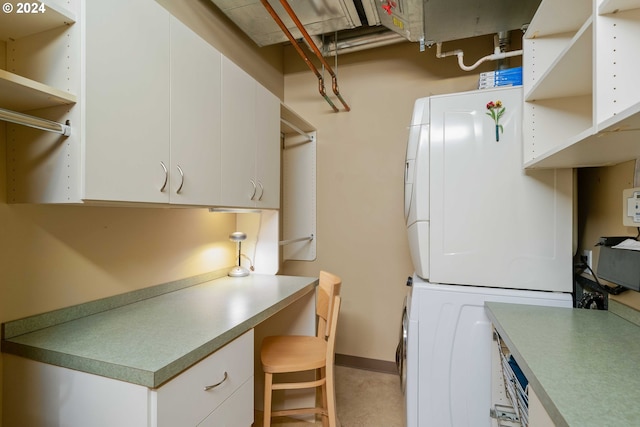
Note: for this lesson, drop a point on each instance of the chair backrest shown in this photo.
(328, 289)
(331, 339)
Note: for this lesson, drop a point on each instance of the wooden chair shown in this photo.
(294, 353)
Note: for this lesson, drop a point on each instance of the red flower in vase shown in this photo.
(496, 110)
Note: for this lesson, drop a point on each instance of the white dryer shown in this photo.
(474, 215)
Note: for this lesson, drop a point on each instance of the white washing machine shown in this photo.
(448, 351)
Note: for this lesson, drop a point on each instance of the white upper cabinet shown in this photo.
(195, 118)
(268, 149)
(126, 101)
(250, 141)
(142, 94)
(582, 98)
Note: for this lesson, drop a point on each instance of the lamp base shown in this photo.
(238, 271)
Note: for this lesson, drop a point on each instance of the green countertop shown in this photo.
(584, 365)
(150, 340)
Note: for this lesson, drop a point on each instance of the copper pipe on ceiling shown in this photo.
(311, 43)
(303, 55)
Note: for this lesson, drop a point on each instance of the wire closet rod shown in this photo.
(35, 122)
(300, 239)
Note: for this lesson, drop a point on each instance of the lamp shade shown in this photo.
(237, 236)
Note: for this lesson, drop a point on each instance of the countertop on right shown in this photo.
(584, 365)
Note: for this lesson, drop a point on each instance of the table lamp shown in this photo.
(239, 270)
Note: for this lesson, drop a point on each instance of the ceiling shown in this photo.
(424, 21)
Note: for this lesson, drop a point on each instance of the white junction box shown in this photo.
(631, 207)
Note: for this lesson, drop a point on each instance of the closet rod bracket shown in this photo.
(300, 239)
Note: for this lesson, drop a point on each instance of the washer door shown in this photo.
(401, 350)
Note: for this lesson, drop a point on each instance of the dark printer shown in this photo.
(619, 261)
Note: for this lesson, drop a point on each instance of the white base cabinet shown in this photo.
(39, 395)
(538, 416)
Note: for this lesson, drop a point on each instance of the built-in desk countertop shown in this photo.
(584, 365)
(146, 338)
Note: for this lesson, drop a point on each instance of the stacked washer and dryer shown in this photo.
(480, 228)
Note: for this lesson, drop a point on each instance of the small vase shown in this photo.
(497, 133)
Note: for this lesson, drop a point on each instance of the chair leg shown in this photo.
(268, 382)
(323, 389)
(331, 397)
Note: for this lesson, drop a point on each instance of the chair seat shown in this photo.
(293, 353)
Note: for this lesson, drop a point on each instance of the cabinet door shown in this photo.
(195, 118)
(268, 149)
(238, 136)
(48, 395)
(126, 100)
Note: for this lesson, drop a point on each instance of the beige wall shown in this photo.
(600, 211)
(56, 256)
(361, 232)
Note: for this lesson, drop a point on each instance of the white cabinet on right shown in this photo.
(582, 97)
(250, 141)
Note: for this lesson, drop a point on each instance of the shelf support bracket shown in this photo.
(35, 122)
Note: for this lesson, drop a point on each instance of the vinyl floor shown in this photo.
(363, 398)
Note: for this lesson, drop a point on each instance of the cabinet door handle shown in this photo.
(212, 386)
(254, 189)
(261, 190)
(166, 177)
(181, 177)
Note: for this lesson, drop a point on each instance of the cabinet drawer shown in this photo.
(236, 411)
(183, 401)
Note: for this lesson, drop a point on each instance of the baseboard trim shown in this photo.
(383, 366)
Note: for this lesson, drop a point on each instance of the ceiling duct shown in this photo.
(435, 21)
(425, 21)
(317, 16)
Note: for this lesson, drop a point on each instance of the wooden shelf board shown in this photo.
(612, 6)
(16, 25)
(21, 94)
(574, 13)
(292, 117)
(626, 120)
(601, 149)
(567, 76)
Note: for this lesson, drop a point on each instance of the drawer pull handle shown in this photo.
(209, 387)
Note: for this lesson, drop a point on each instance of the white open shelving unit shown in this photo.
(23, 93)
(582, 98)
